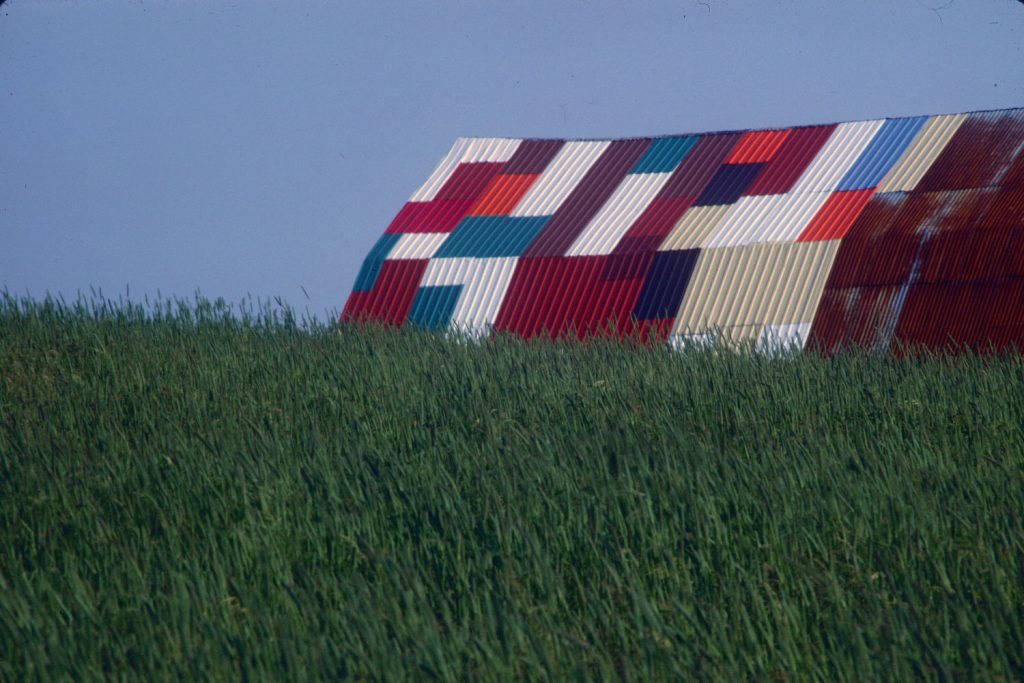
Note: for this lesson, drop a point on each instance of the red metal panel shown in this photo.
(785, 168)
(757, 146)
(953, 240)
(981, 153)
(871, 253)
(854, 316)
(835, 218)
(700, 165)
(945, 315)
(532, 156)
(435, 216)
(502, 194)
(587, 198)
(391, 298)
(654, 224)
(469, 180)
(558, 296)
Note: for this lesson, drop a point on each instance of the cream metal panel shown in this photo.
(755, 285)
(919, 156)
(630, 199)
(694, 228)
(560, 177)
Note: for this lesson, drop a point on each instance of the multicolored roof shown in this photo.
(903, 230)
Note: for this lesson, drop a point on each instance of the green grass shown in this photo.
(187, 495)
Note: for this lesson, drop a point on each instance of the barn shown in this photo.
(881, 233)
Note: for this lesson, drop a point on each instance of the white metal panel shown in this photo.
(465, 150)
(489, 150)
(560, 177)
(784, 338)
(417, 245)
(919, 156)
(630, 199)
(481, 297)
(842, 150)
(742, 219)
(445, 271)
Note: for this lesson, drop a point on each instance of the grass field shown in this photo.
(185, 495)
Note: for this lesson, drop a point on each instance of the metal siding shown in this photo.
(467, 181)
(836, 215)
(465, 150)
(879, 156)
(629, 200)
(435, 216)
(502, 194)
(654, 224)
(728, 184)
(874, 233)
(788, 164)
(777, 283)
(367, 277)
(665, 154)
(532, 156)
(758, 146)
(492, 236)
(432, 306)
(921, 153)
(700, 165)
(587, 198)
(665, 284)
(980, 153)
(756, 219)
(416, 245)
(560, 177)
(696, 226)
(836, 157)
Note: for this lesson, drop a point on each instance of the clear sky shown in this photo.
(260, 147)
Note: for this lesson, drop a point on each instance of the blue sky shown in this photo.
(259, 147)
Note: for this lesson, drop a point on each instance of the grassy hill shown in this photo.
(187, 495)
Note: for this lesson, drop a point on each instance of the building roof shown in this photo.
(874, 233)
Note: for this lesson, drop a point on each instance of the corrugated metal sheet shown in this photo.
(755, 285)
(417, 245)
(630, 199)
(838, 155)
(695, 227)
(560, 177)
(921, 153)
(768, 218)
(877, 233)
(465, 150)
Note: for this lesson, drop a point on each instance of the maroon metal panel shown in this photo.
(654, 224)
(587, 198)
(468, 181)
(981, 153)
(700, 165)
(532, 156)
(871, 253)
(855, 316)
(785, 168)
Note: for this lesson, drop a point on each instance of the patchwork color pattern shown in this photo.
(888, 233)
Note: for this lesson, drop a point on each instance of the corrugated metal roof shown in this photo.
(889, 231)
